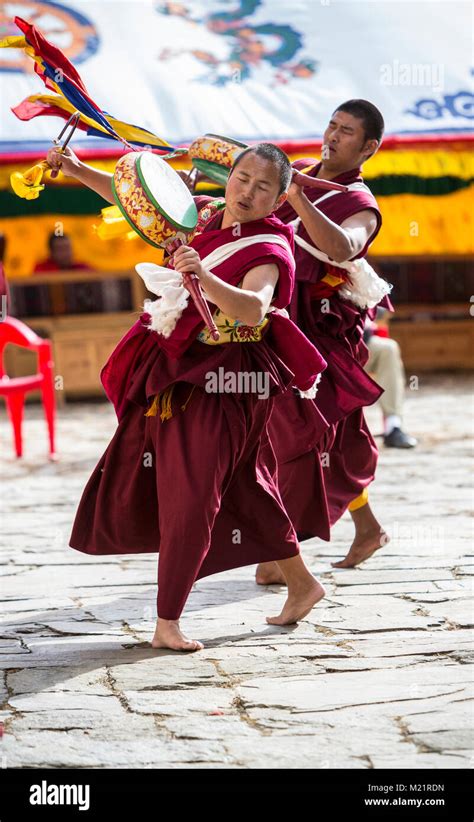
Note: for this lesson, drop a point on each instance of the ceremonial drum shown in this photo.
(153, 199)
(214, 155)
(160, 208)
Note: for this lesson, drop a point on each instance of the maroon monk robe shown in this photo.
(345, 387)
(197, 483)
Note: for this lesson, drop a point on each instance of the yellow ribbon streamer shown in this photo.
(28, 184)
(114, 225)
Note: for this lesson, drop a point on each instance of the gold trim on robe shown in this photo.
(231, 330)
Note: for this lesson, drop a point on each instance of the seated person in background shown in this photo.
(60, 256)
(4, 292)
(386, 366)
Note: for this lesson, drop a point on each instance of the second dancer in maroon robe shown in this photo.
(320, 476)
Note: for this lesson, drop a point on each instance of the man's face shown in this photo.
(344, 143)
(252, 190)
(61, 251)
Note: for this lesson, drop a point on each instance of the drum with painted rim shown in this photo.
(153, 199)
(214, 155)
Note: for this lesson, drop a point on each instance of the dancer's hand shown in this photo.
(67, 161)
(187, 261)
(189, 181)
(295, 191)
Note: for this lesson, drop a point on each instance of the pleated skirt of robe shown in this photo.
(206, 474)
(327, 459)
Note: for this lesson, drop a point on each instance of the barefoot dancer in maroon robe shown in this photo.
(184, 473)
(342, 226)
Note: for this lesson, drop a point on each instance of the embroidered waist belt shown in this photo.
(231, 330)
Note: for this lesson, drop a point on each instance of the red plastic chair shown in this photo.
(15, 388)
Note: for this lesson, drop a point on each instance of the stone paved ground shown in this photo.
(376, 676)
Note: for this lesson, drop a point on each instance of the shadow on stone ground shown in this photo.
(376, 676)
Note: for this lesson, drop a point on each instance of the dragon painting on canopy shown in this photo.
(250, 45)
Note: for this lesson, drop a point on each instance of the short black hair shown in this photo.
(369, 114)
(52, 237)
(273, 154)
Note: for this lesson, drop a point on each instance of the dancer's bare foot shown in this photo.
(168, 635)
(301, 600)
(363, 547)
(268, 573)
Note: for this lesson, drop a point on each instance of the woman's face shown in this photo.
(252, 190)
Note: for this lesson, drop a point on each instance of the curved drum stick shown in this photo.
(304, 180)
(191, 282)
(73, 121)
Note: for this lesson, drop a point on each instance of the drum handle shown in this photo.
(304, 180)
(72, 124)
(193, 172)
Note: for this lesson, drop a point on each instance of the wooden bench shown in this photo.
(434, 336)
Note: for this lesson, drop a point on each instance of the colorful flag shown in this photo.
(59, 75)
